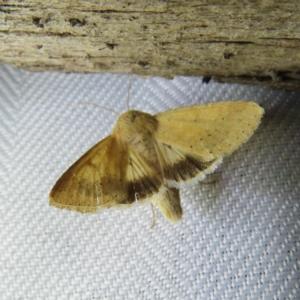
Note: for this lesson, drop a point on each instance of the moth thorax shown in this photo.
(134, 127)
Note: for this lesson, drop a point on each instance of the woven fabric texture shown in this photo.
(239, 237)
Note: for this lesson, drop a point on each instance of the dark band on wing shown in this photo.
(187, 168)
(143, 188)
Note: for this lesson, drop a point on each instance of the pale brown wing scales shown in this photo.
(109, 174)
(210, 130)
(97, 180)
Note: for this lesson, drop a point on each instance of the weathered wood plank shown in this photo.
(256, 42)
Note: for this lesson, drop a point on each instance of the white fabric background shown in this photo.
(239, 238)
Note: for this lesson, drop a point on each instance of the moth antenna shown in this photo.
(98, 105)
(129, 87)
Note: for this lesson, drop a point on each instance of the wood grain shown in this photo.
(254, 41)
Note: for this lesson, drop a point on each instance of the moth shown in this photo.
(147, 158)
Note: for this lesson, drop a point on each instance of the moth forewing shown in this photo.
(209, 130)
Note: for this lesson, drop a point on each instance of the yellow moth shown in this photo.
(147, 158)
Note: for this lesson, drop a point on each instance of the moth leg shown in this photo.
(212, 178)
(170, 206)
(208, 182)
(153, 216)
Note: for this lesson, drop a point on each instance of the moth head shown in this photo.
(134, 124)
